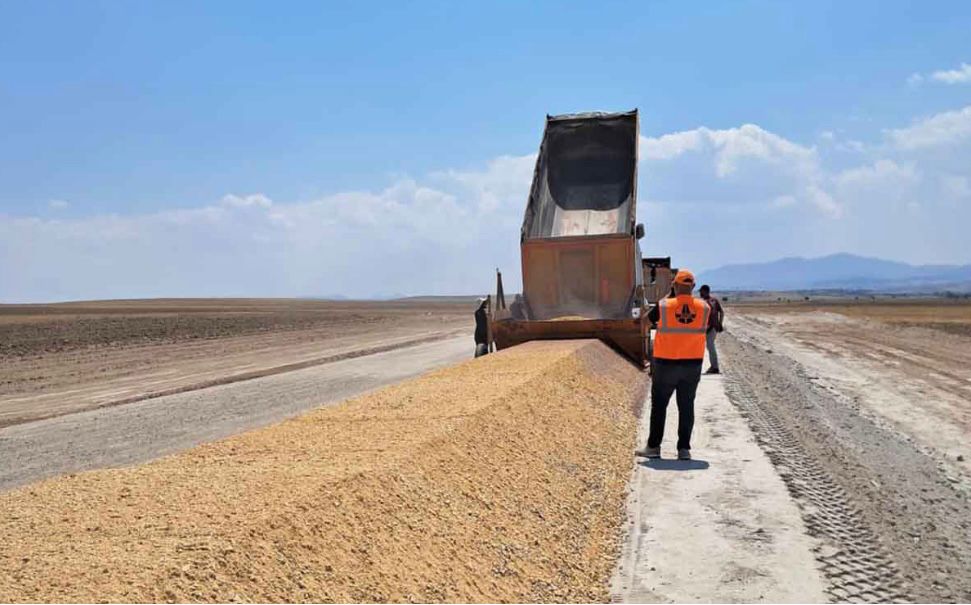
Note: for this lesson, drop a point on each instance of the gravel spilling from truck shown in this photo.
(500, 479)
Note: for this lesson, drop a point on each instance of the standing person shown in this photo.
(481, 328)
(517, 309)
(679, 347)
(714, 327)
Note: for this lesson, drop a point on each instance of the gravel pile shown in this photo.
(500, 479)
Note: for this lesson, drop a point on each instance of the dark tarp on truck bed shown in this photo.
(585, 182)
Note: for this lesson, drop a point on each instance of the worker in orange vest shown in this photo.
(679, 348)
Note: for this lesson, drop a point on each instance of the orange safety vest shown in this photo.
(681, 326)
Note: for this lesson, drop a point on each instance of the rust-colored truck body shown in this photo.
(581, 261)
(658, 278)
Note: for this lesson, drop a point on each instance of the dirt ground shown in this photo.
(832, 463)
(952, 316)
(61, 358)
(499, 479)
(850, 482)
(910, 377)
(866, 413)
(144, 430)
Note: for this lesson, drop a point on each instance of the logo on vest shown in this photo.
(685, 315)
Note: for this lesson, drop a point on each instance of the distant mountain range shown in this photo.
(839, 272)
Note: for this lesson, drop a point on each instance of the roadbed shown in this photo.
(499, 479)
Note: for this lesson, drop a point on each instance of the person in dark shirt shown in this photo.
(714, 327)
(481, 328)
(517, 309)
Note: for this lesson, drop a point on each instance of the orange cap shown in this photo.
(685, 277)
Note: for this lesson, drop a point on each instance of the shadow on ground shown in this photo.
(660, 464)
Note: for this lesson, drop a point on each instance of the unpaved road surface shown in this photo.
(137, 432)
(831, 465)
(869, 428)
(62, 358)
(913, 380)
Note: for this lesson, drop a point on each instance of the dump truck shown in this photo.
(582, 270)
(658, 278)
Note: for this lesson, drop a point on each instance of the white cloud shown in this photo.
(833, 140)
(707, 196)
(745, 166)
(881, 173)
(671, 145)
(494, 188)
(446, 235)
(823, 201)
(940, 129)
(731, 147)
(961, 75)
(881, 187)
(751, 194)
(57, 204)
(256, 199)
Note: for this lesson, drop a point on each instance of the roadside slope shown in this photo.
(500, 479)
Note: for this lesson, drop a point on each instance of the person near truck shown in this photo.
(715, 326)
(481, 327)
(517, 309)
(679, 348)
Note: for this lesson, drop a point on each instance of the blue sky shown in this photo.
(152, 149)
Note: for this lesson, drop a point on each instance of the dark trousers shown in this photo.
(668, 379)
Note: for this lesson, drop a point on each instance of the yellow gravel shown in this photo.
(500, 479)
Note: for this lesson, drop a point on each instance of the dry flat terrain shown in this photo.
(952, 316)
(865, 410)
(831, 459)
(144, 430)
(499, 479)
(62, 358)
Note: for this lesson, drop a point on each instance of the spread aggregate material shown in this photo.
(500, 479)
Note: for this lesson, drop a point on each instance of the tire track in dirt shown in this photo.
(857, 568)
(891, 525)
(912, 382)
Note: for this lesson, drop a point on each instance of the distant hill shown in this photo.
(839, 271)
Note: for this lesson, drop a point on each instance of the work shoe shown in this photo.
(684, 454)
(649, 452)
(712, 371)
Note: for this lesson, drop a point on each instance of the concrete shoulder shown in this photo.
(719, 528)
